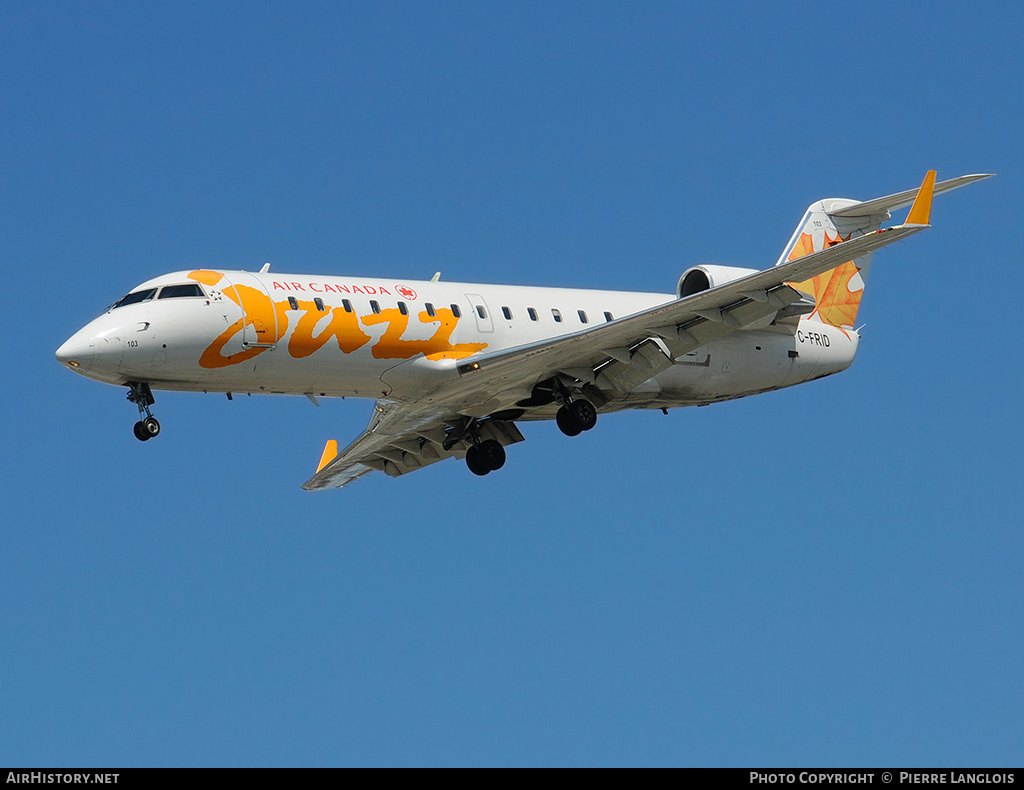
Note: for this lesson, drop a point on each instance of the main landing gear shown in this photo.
(576, 416)
(482, 455)
(142, 396)
(488, 456)
(485, 452)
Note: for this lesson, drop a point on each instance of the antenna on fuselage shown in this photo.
(436, 277)
(266, 268)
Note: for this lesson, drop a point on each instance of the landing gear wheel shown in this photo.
(583, 414)
(492, 453)
(476, 462)
(566, 424)
(142, 396)
(151, 426)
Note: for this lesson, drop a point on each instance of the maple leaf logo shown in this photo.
(836, 303)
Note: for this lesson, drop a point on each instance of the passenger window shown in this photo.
(532, 313)
(556, 314)
(136, 298)
(583, 316)
(480, 311)
(347, 305)
(403, 308)
(292, 303)
(456, 311)
(319, 304)
(430, 309)
(374, 306)
(178, 291)
(608, 316)
(507, 313)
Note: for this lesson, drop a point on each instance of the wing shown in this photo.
(403, 437)
(400, 439)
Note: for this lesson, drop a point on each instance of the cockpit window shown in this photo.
(145, 295)
(178, 291)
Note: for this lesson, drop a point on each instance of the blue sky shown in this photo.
(827, 575)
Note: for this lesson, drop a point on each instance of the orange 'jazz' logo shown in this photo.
(269, 321)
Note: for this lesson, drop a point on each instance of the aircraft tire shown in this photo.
(492, 453)
(140, 431)
(151, 426)
(477, 464)
(583, 414)
(566, 424)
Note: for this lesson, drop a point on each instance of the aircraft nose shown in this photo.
(78, 351)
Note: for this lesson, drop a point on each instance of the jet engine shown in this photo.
(701, 278)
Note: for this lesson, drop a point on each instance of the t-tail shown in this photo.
(837, 293)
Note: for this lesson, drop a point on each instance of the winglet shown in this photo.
(922, 208)
(330, 453)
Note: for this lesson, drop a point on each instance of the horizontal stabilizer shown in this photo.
(900, 199)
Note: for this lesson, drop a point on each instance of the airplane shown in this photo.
(453, 367)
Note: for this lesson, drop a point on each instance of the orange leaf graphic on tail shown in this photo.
(836, 303)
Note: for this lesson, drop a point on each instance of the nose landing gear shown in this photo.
(142, 396)
(146, 429)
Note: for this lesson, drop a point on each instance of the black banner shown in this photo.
(751, 776)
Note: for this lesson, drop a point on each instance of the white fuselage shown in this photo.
(336, 336)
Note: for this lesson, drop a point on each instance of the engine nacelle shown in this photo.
(701, 278)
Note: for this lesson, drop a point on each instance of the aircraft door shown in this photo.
(260, 329)
(484, 322)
